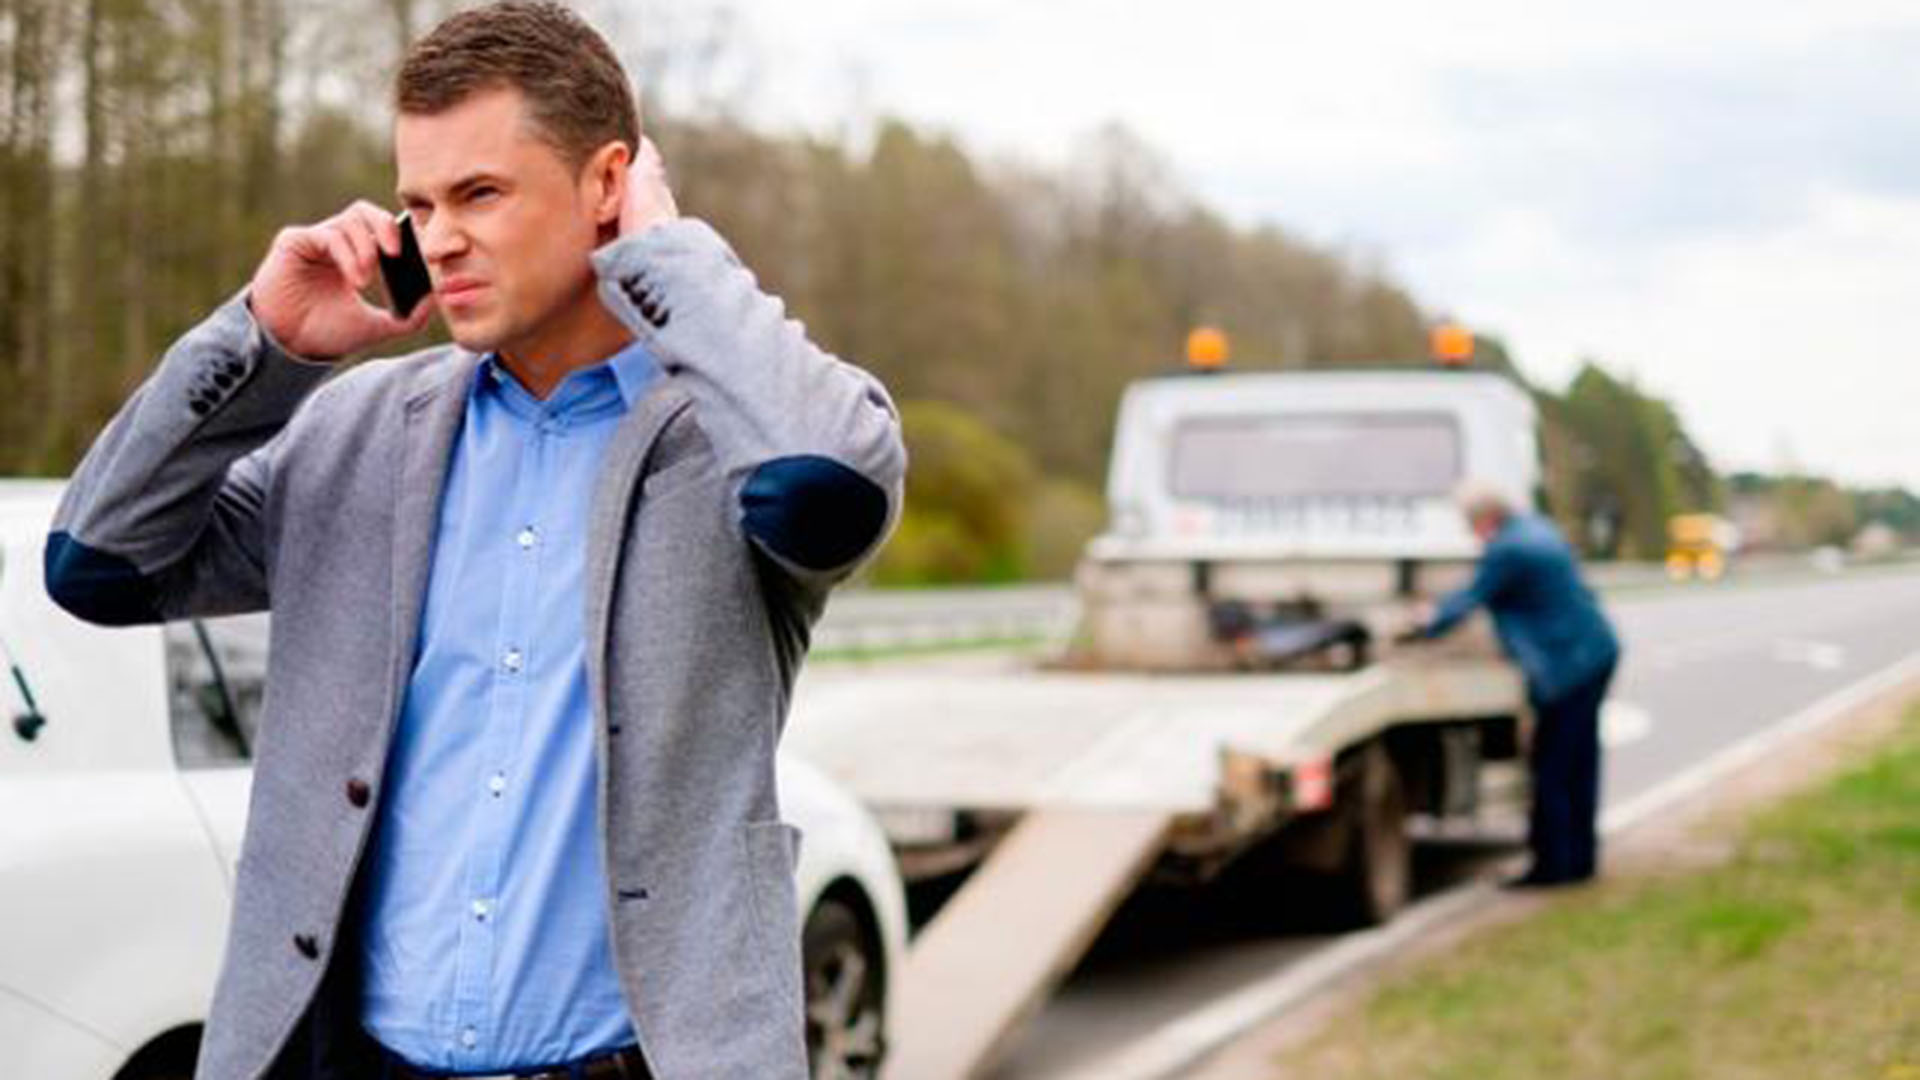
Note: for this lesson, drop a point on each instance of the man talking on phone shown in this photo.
(539, 597)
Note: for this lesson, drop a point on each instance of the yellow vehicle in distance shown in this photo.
(1699, 546)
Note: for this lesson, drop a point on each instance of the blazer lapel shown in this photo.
(430, 421)
(624, 465)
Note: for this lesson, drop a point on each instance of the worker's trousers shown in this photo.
(1563, 827)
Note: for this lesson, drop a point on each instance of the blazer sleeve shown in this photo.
(810, 443)
(167, 515)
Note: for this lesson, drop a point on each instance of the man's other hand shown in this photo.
(648, 200)
(308, 293)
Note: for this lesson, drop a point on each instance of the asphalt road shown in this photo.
(1706, 668)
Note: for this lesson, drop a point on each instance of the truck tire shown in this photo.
(1377, 876)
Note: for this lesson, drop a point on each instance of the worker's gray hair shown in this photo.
(1478, 499)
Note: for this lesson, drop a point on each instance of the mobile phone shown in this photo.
(405, 274)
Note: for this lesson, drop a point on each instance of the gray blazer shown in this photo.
(756, 474)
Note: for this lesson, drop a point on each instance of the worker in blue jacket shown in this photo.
(1551, 625)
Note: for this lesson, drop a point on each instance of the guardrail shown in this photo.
(860, 620)
(863, 620)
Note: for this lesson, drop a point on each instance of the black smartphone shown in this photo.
(405, 274)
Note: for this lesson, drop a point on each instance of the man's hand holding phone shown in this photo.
(308, 293)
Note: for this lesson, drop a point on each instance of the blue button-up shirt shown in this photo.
(485, 930)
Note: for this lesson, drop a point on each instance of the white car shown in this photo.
(123, 796)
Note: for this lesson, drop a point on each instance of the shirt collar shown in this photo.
(632, 368)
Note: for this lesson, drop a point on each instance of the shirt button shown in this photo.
(527, 538)
(497, 783)
(512, 660)
(469, 1038)
(481, 908)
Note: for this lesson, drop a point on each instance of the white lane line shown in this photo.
(1176, 1046)
(1675, 788)
(1756, 631)
(1818, 655)
(1179, 1044)
(1623, 722)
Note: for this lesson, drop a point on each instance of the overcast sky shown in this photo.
(1721, 198)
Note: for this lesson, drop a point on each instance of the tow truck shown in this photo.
(1236, 692)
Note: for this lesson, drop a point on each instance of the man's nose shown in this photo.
(441, 238)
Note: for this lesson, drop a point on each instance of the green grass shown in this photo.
(1798, 958)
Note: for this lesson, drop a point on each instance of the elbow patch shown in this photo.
(97, 586)
(813, 511)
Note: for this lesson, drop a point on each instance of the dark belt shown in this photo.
(627, 1064)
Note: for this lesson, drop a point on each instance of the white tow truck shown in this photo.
(1234, 692)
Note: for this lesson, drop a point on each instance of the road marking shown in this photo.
(1623, 722)
(1763, 634)
(1176, 1046)
(1675, 788)
(1818, 655)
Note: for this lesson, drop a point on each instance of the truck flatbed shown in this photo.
(1046, 739)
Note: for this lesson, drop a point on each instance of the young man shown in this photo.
(1550, 623)
(539, 598)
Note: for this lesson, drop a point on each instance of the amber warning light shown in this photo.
(1206, 349)
(1451, 345)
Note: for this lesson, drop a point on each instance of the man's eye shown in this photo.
(481, 194)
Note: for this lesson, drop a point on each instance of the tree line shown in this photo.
(150, 148)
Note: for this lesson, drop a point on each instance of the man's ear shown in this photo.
(606, 183)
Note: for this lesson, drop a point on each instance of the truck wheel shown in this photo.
(1379, 864)
(844, 988)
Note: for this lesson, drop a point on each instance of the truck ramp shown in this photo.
(1001, 945)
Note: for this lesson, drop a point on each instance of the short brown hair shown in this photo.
(576, 91)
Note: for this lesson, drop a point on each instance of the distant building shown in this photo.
(1878, 540)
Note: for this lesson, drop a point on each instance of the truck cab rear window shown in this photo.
(1311, 457)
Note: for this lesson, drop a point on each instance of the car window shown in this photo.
(216, 680)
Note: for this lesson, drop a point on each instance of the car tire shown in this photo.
(168, 1057)
(846, 989)
(174, 1073)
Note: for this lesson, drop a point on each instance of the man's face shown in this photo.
(505, 222)
(1485, 526)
